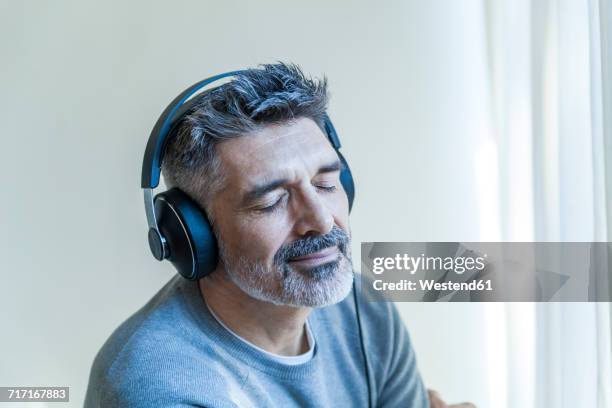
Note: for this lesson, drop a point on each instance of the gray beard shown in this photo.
(321, 286)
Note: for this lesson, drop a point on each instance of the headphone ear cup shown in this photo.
(191, 244)
(346, 179)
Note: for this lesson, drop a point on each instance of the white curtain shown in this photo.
(551, 147)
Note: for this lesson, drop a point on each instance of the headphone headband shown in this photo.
(151, 164)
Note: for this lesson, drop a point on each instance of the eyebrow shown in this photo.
(263, 189)
(336, 165)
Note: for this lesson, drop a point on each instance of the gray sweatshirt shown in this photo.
(174, 353)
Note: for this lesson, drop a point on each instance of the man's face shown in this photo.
(282, 216)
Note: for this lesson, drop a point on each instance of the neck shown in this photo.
(276, 329)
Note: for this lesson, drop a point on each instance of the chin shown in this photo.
(318, 287)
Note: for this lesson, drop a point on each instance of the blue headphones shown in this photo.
(178, 227)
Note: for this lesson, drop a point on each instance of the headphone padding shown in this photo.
(346, 179)
(191, 243)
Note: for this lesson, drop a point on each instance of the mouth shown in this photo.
(321, 257)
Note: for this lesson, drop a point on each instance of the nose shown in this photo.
(313, 216)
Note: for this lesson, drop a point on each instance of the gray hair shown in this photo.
(271, 94)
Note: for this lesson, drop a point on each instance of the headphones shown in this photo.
(178, 227)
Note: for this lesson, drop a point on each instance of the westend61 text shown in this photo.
(430, 284)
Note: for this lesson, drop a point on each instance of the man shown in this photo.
(273, 325)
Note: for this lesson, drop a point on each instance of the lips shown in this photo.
(323, 254)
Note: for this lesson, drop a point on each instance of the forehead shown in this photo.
(275, 150)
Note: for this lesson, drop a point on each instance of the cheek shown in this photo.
(259, 238)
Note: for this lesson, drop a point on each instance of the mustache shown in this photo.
(315, 243)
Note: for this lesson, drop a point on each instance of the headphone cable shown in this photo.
(361, 341)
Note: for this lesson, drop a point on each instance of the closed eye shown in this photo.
(277, 204)
(273, 206)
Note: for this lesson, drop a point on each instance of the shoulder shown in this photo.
(390, 351)
(146, 331)
(384, 332)
(149, 359)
